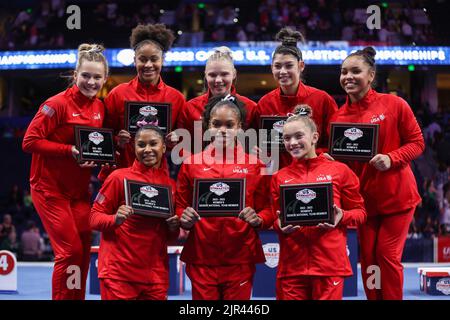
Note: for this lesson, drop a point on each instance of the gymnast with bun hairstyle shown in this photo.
(59, 185)
(388, 185)
(150, 42)
(287, 68)
(313, 259)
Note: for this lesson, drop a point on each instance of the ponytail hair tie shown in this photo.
(230, 98)
(304, 112)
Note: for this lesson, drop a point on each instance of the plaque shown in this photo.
(272, 123)
(149, 199)
(353, 141)
(95, 144)
(219, 197)
(139, 113)
(306, 204)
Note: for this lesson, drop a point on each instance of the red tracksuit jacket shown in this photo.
(134, 90)
(313, 251)
(323, 106)
(135, 251)
(216, 241)
(50, 137)
(394, 190)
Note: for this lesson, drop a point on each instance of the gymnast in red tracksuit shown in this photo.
(221, 252)
(387, 183)
(133, 261)
(149, 42)
(313, 259)
(287, 67)
(220, 76)
(59, 186)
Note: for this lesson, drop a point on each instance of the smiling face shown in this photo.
(224, 125)
(219, 76)
(149, 148)
(299, 140)
(148, 60)
(356, 77)
(286, 70)
(90, 77)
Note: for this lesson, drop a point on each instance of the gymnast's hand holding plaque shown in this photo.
(353, 141)
(95, 144)
(306, 204)
(149, 199)
(219, 197)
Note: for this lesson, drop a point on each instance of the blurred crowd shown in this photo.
(432, 171)
(43, 24)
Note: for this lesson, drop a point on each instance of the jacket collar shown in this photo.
(309, 163)
(79, 98)
(302, 93)
(141, 87)
(209, 94)
(238, 154)
(141, 168)
(364, 102)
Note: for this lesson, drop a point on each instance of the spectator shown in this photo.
(10, 243)
(6, 227)
(445, 210)
(31, 243)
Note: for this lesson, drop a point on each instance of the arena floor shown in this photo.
(34, 283)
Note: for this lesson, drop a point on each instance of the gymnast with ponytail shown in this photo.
(59, 185)
(287, 69)
(313, 259)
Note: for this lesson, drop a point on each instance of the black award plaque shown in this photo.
(306, 204)
(353, 141)
(147, 199)
(95, 144)
(219, 197)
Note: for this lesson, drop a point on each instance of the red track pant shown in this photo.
(310, 288)
(233, 282)
(381, 240)
(67, 224)
(112, 289)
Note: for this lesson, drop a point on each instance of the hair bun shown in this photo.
(157, 33)
(289, 37)
(303, 110)
(223, 50)
(370, 52)
(91, 48)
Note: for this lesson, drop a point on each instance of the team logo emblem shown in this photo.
(443, 285)
(149, 191)
(353, 133)
(148, 110)
(305, 195)
(96, 137)
(219, 188)
(272, 253)
(279, 125)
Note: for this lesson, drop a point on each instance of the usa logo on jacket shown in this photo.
(377, 118)
(323, 177)
(238, 169)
